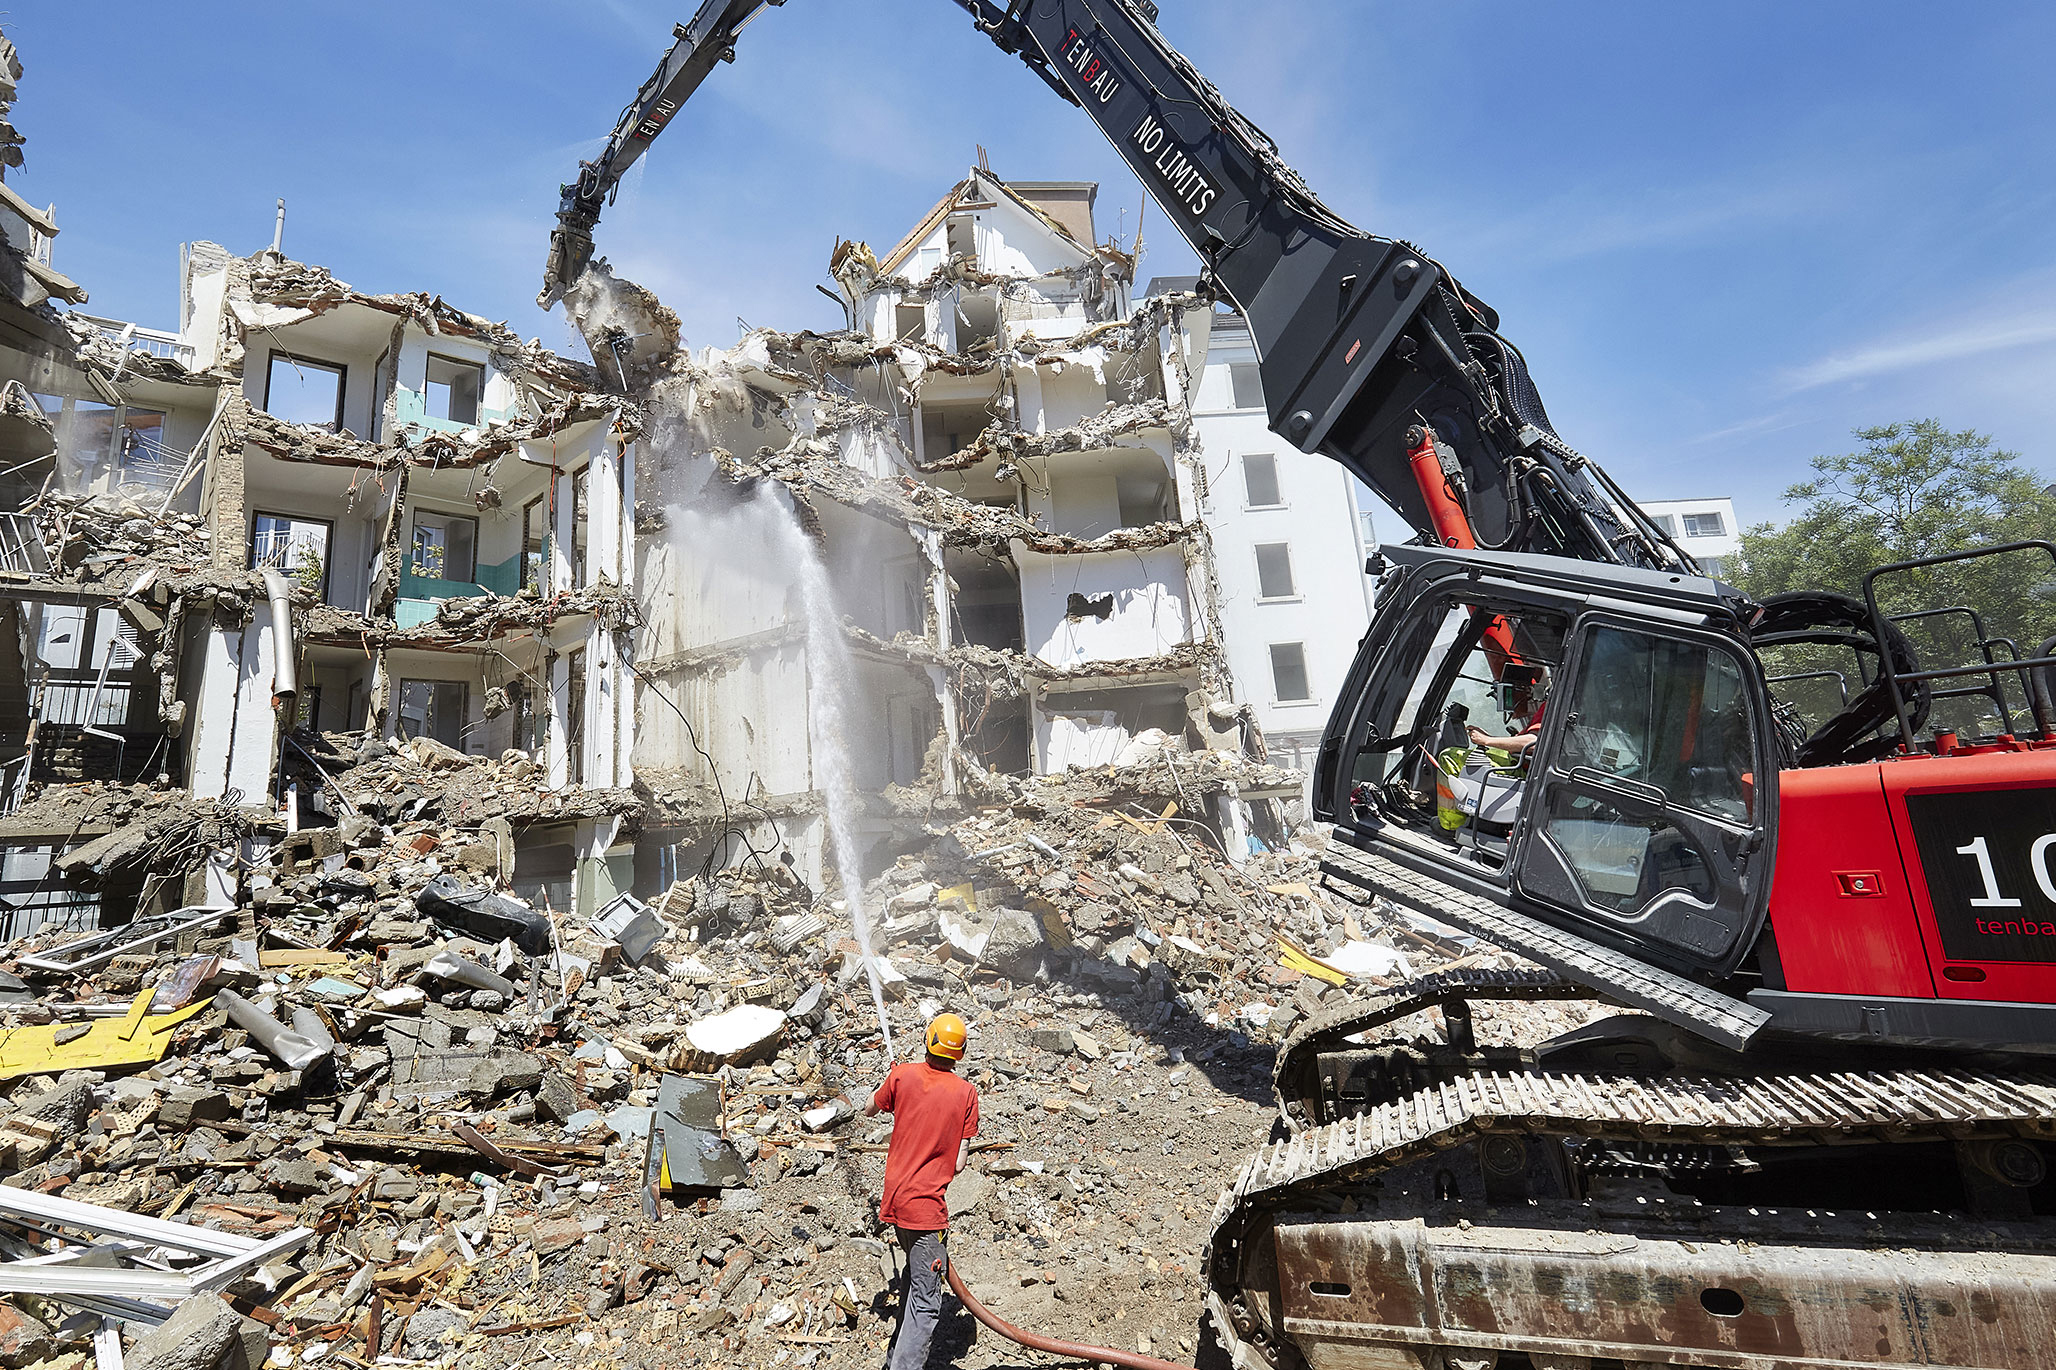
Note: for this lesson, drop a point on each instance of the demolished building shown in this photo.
(315, 510)
(996, 463)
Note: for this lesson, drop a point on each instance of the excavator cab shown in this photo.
(1636, 806)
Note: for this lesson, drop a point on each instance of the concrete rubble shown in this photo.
(464, 1125)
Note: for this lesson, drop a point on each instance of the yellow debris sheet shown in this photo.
(137, 1038)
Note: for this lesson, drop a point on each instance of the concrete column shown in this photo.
(562, 539)
(557, 764)
(211, 721)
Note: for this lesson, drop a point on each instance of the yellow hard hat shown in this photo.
(946, 1036)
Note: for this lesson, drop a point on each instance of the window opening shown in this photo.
(304, 390)
(1288, 673)
(1246, 380)
(1260, 480)
(453, 388)
(574, 719)
(1274, 571)
(435, 709)
(296, 546)
(445, 546)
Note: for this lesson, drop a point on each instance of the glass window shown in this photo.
(1667, 522)
(1705, 526)
(1274, 571)
(303, 390)
(1657, 725)
(1260, 480)
(445, 546)
(1288, 672)
(296, 546)
(1246, 380)
(453, 389)
(435, 709)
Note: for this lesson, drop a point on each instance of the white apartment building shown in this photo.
(1290, 540)
(1705, 528)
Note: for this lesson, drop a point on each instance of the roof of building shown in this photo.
(989, 183)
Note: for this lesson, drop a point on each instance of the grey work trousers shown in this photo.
(920, 1297)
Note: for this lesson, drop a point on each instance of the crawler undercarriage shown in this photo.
(1634, 1193)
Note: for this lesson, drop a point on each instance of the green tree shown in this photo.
(1917, 489)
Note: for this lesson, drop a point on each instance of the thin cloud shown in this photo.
(1950, 341)
(1751, 428)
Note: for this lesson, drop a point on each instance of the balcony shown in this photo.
(126, 336)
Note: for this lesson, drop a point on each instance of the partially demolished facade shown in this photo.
(320, 555)
(314, 534)
(996, 464)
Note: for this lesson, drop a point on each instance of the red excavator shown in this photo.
(1817, 1131)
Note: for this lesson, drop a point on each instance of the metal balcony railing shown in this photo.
(155, 341)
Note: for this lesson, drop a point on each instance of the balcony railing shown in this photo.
(155, 341)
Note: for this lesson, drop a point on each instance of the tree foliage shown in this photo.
(1916, 489)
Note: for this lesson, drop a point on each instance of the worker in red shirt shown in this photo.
(934, 1117)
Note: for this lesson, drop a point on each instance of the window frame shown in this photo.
(1720, 525)
(342, 374)
(1306, 674)
(1277, 482)
(1292, 594)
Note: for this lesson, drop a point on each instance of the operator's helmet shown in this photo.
(947, 1035)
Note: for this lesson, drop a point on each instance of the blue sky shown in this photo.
(1724, 235)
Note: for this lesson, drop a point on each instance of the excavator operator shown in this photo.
(1527, 696)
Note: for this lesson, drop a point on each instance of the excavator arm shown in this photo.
(1371, 353)
(708, 39)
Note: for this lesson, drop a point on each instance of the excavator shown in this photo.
(1810, 1114)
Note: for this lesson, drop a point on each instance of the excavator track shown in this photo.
(1515, 1211)
(1306, 1093)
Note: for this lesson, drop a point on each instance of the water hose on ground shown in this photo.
(1071, 1350)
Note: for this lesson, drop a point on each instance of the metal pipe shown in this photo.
(1070, 1350)
(283, 678)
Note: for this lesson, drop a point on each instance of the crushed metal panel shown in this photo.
(687, 1135)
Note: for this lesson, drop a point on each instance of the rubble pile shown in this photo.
(471, 1126)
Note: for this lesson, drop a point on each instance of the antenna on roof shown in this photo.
(278, 232)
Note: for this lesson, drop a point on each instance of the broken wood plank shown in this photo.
(282, 958)
(500, 1155)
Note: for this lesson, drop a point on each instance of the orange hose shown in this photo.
(1072, 1350)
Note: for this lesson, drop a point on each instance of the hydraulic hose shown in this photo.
(1070, 1350)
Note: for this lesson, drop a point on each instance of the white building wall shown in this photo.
(1705, 528)
(1316, 517)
